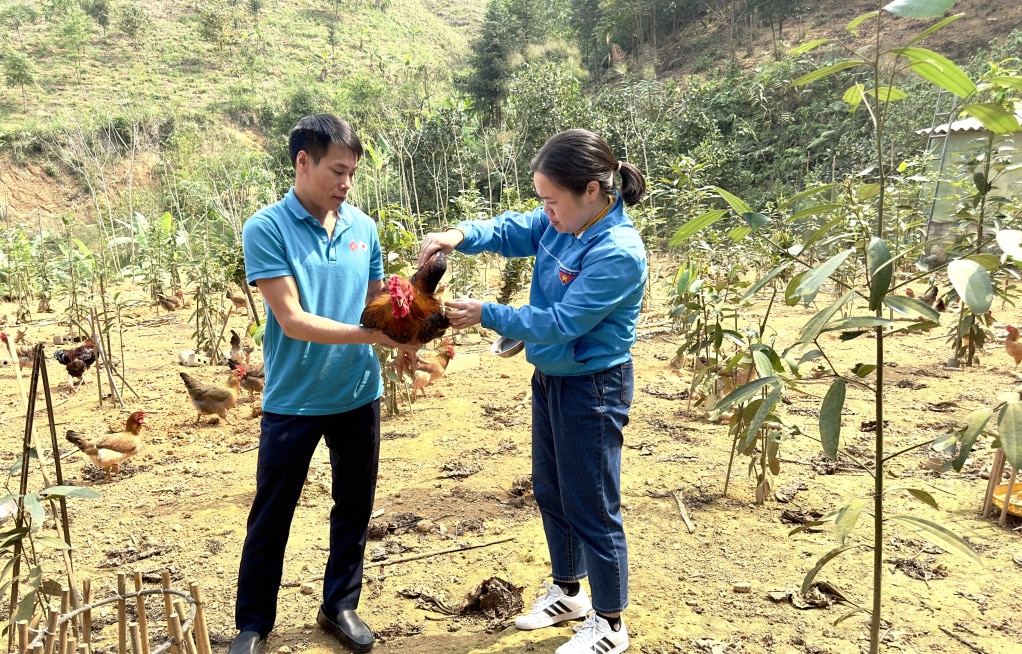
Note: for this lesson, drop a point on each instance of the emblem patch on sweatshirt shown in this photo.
(567, 276)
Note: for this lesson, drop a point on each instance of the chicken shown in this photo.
(213, 400)
(430, 369)
(111, 450)
(77, 362)
(25, 354)
(1012, 346)
(409, 311)
(251, 380)
(168, 302)
(930, 297)
(238, 300)
(236, 353)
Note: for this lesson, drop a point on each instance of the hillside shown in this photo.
(168, 65)
(703, 47)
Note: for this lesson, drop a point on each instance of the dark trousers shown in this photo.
(286, 445)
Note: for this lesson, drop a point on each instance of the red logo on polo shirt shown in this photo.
(355, 246)
(567, 276)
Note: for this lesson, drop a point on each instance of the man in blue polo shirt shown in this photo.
(316, 260)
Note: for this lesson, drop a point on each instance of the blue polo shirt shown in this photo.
(332, 276)
(586, 290)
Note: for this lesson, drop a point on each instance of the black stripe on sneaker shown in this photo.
(603, 645)
(556, 608)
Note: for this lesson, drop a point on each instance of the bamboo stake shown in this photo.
(186, 633)
(168, 607)
(37, 649)
(143, 619)
(51, 631)
(1007, 498)
(65, 606)
(86, 615)
(424, 555)
(22, 636)
(122, 614)
(996, 469)
(72, 645)
(179, 639)
(136, 641)
(201, 631)
(84, 648)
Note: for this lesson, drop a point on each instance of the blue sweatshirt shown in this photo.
(586, 290)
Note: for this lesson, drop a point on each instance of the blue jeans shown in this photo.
(286, 444)
(577, 425)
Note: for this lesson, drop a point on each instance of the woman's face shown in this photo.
(568, 212)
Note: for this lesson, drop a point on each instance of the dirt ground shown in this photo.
(448, 480)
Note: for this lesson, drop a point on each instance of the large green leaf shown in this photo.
(69, 491)
(35, 510)
(764, 281)
(933, 28)
(1010, 242)
(940, 536)
(853, 26)
(761, 413)
(830, 417)
(975, 423)
(937, 69)
(1009, 431)
(993, 116)
(807, 583)
(846, 518)
(923, 496)
(817, 276)
(878, 259)
(887, 94)
(791, 298)
(972, 283)
(754, 220)
(854, 95)
(812, 328)
(1010, 82)
(744, 392)
(736, 202)
(696, 225)
(919, 8)
(820, 73)
(806, 47)
(856, 322)
(911, 307)
(51, 541)
(817, 209)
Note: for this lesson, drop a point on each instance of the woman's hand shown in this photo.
(435, 241)
(464, 312)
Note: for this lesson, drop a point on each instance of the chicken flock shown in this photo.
(409, 311)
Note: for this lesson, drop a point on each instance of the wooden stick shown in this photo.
(22, 636)
(974, 648)
(201, 631)
(86, 616)
(424, 555)
(84, 648)
(168, 606)
(122, 614)
(65, 608)
(179, 638)
(684, 514)
(143, 619)
(1007, 498)
(996, 470)
(72, 645)
(186, 633)
(51, 631)
(136, 640)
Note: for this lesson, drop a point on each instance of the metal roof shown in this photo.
(964, 125)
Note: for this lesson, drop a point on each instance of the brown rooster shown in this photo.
(409, 311)
(77, 362)
(251, 380)
(1012, 346)
(111, 450)
(238, 300)
(213, 400)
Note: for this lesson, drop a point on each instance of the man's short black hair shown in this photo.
(314, 134)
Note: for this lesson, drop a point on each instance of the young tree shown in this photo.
(216, 25)
(135, 21)
(73, 32)
(17, 15)
(19, 71)
(99, 11)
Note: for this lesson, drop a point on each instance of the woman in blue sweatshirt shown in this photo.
(578, 328)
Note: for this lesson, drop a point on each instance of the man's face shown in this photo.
(326, 183)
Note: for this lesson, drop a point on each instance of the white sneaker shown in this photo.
(595, 635)
(553, 607)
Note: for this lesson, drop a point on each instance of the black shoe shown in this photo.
(247, 642)
(349, 629)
